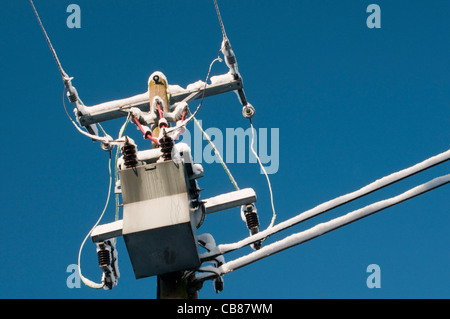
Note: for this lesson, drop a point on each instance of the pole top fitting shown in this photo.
(248, 111)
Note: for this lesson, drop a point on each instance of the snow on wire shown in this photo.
(209, 272)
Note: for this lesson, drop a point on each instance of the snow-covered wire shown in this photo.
(116, 173)
(85, 280)
(217, 153)
(203, 94)
(105, 139)
(222, 27)
(334, 203)
(323, 228)
(274, 215)
(55, 56)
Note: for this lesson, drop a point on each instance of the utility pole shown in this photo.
(174, 286)
(157, 88)
(161, 206)
(171, 285)
(160, 195)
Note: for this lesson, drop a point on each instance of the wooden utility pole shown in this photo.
(171, 285)
(157, 87)
(174, 286)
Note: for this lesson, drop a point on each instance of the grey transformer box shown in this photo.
(159, 225)
(162, 212)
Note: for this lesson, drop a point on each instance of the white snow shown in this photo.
(224, 78)
(322, 228)
(195, 86)
(325, 227)
(158, 73)
(174, 89)
(157, 99)
(149, 155)
(229, 200)
(197, 169)
(143, 98)
(106, 229)
(116, 104)
(387, 180)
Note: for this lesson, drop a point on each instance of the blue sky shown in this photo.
(352, 105)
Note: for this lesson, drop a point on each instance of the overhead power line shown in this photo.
(334, 203)
(55, 56)
(320, 229)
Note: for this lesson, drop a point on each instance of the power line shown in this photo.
(320, 229)
(85, 280)
(55, 56)
(334, 203)
(220, 21)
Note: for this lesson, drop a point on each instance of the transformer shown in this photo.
(159, 223)
(162, 210)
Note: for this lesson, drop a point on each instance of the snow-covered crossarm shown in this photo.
(116, 109)
(320, 229)
(230, 200)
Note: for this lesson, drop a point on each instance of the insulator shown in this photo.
(129, 153)
(251, 217)
(166, 144)
(104, 256)
(72, 94)
(163, 123)
(252, 220)
(218, 284)
(107, 261)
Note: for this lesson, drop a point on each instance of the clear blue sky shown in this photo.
(352, 105)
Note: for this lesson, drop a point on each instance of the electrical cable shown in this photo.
(147, 134)
(85, 280)
(105, 139)
(217, 153)
(334, 203)
(274, 215)
(67, 82)
(225, 41)
(203, 93)
(116, 172)
(322, 228)
(220, 21)
(55, 56)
